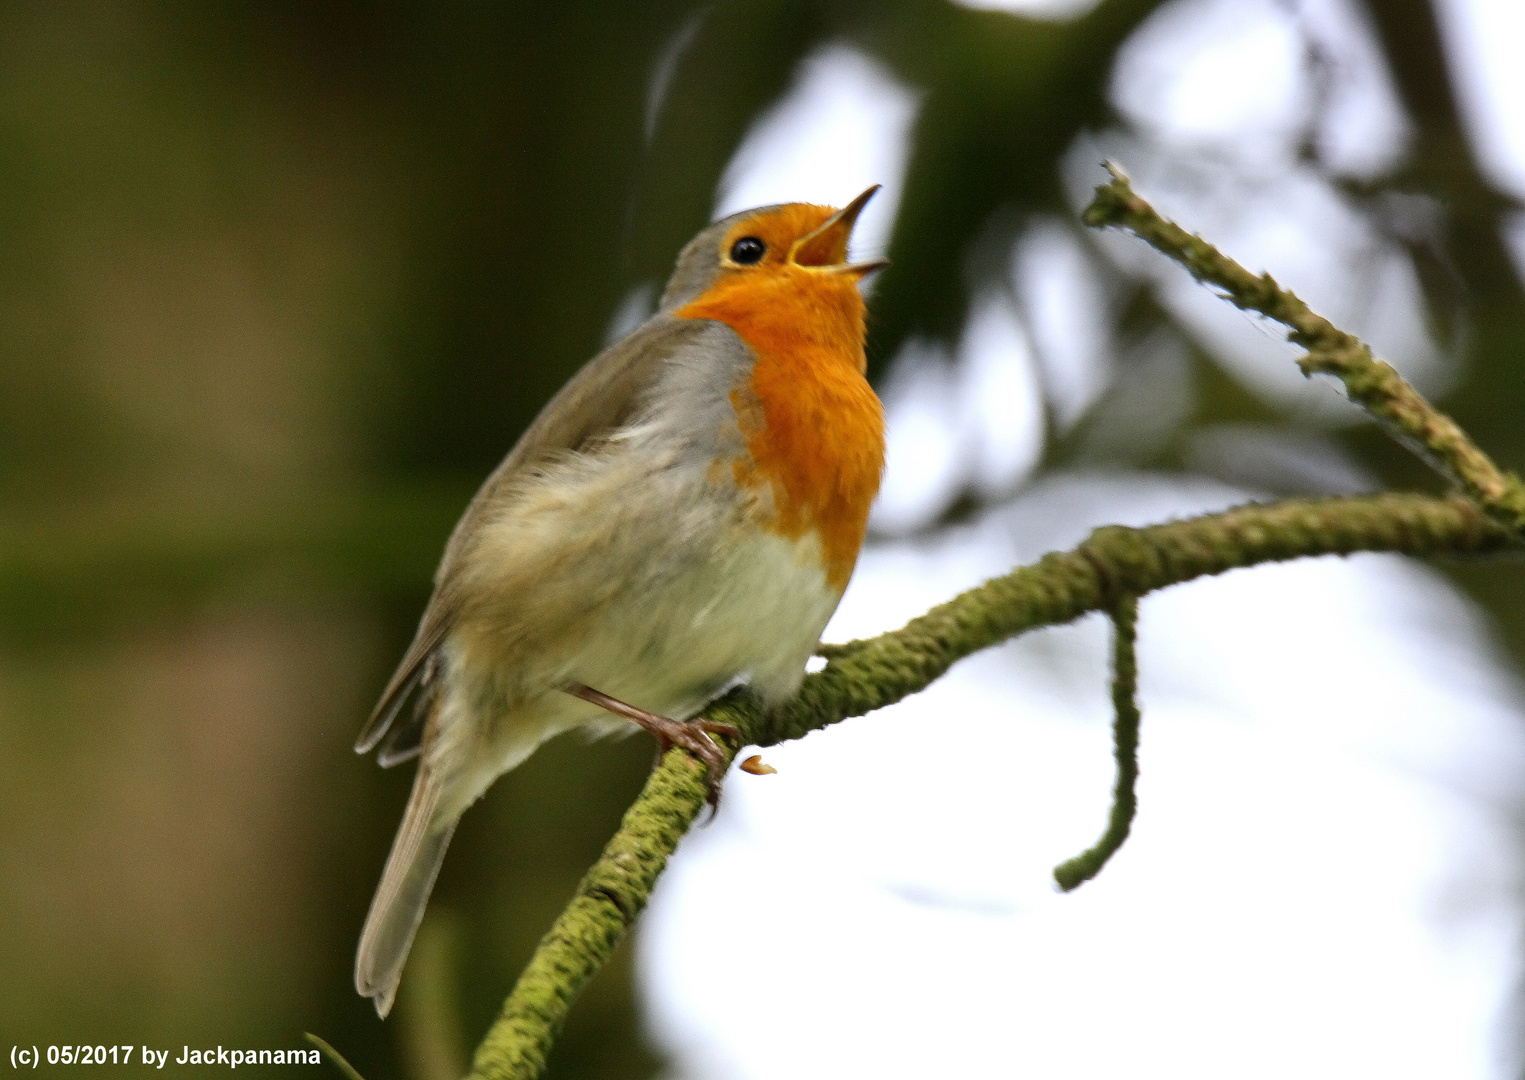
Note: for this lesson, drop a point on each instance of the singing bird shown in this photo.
(682, 516)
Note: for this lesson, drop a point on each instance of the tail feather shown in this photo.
(403, 893)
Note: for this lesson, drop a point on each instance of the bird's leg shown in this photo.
(692, 735)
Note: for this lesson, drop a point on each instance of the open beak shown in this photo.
(826, 247)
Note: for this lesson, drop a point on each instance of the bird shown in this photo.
(682, 517)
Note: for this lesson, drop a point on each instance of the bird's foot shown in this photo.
(691, 735)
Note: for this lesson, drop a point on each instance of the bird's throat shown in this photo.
(814, 428)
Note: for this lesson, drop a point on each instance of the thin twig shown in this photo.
(1075, 872)
(333, 1055)
(1371, 383)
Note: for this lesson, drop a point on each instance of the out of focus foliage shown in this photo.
(279, 283)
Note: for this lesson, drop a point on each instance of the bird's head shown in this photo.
(791, 239)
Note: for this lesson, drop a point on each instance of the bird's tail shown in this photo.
(404, 891)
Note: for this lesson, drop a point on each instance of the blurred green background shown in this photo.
(281, 282)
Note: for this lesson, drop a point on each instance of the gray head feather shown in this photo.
(699, 261)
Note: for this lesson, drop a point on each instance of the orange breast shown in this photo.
(813, 425)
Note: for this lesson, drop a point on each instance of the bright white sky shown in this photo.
(1323, 881)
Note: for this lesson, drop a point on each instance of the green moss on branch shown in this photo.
(1371, 383)
(1073, 873)
(862, 676)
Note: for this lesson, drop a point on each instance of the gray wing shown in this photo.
(597, 401)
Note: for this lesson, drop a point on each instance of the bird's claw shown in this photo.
(691, 735)
(694, 736)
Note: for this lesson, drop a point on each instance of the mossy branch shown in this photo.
(862, 676)
(1113, 567)
(1371, 383)
(1073, 873)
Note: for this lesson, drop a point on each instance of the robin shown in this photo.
(682, 516)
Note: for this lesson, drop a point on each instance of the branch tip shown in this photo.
(334, 1056)
(1075, 872)
(1373, 385)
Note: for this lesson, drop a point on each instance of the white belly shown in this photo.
(758, 617)
(662, 605)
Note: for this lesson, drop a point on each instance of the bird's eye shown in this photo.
(748, 250)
